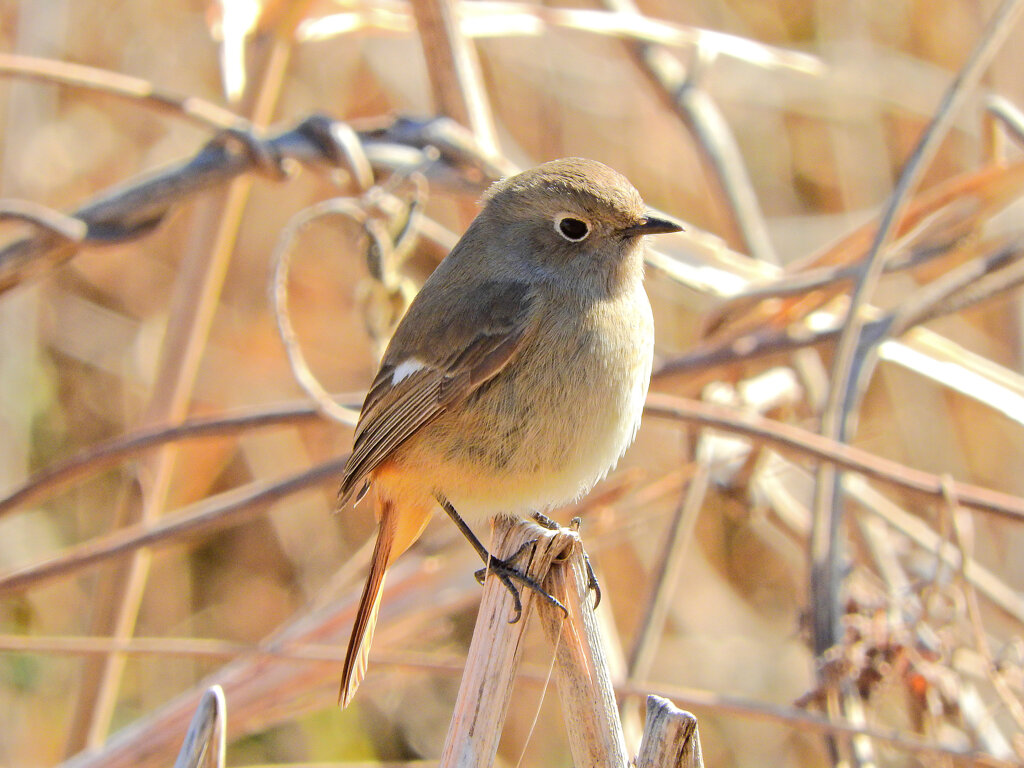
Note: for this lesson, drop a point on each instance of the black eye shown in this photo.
(571, 228)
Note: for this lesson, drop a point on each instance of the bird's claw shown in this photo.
(506, 571)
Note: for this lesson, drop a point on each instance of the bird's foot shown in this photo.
(546, 522)
(508, 574)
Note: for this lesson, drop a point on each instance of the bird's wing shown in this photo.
(435, 360)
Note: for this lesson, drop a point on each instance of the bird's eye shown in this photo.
(571, 228)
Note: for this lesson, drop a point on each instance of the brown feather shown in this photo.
(477, 345)
(407, 410)
(397, 530)
(358, 652)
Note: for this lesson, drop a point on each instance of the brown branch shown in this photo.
(987, 286)
(719, 151)
(959, 287)
(669, 568)
(119, 589)
(800, 441)
(993, 272)
(201, 112)
(804, 721)
(791, 438)
(943, 215)
(903, 523)
(111, 452)
(230, 508)
(831, 280)
(454, 70)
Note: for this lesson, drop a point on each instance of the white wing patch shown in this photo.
(405, 369)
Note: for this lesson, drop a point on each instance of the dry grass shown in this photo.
(208, 552)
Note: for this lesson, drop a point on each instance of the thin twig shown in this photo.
(120, 591)
(249, 682)
(485, 18)
(996, 270)
(986, 287)
(999, 265)
(718, 148)
(665, 579)
(939, 217)
(123, 447)
(798, 719)
(851, 370)
(984, 278)
(959, 523)
(454, 70)
(935, 238)
(199, 111)
(229, 508)
(281, 260)
(995, 590)
(332, 656)
(847, 457)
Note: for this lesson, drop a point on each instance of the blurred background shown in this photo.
(775, 128)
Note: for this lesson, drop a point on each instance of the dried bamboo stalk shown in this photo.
(581, 667)
(671, 739)
(496, 648)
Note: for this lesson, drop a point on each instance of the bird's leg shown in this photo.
(505, 569)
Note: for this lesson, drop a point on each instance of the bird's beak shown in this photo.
(652, 225)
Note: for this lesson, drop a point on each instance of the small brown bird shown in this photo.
(517, 378)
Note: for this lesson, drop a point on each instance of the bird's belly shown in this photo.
(547, 435)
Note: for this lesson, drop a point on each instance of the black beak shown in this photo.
(652, 225)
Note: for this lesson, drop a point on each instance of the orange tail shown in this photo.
(397, 529)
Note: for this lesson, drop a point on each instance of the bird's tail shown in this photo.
(397, 529)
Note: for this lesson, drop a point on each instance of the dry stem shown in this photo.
(671, 739)
(494, 654)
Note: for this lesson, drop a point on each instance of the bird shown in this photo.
(517, 377)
